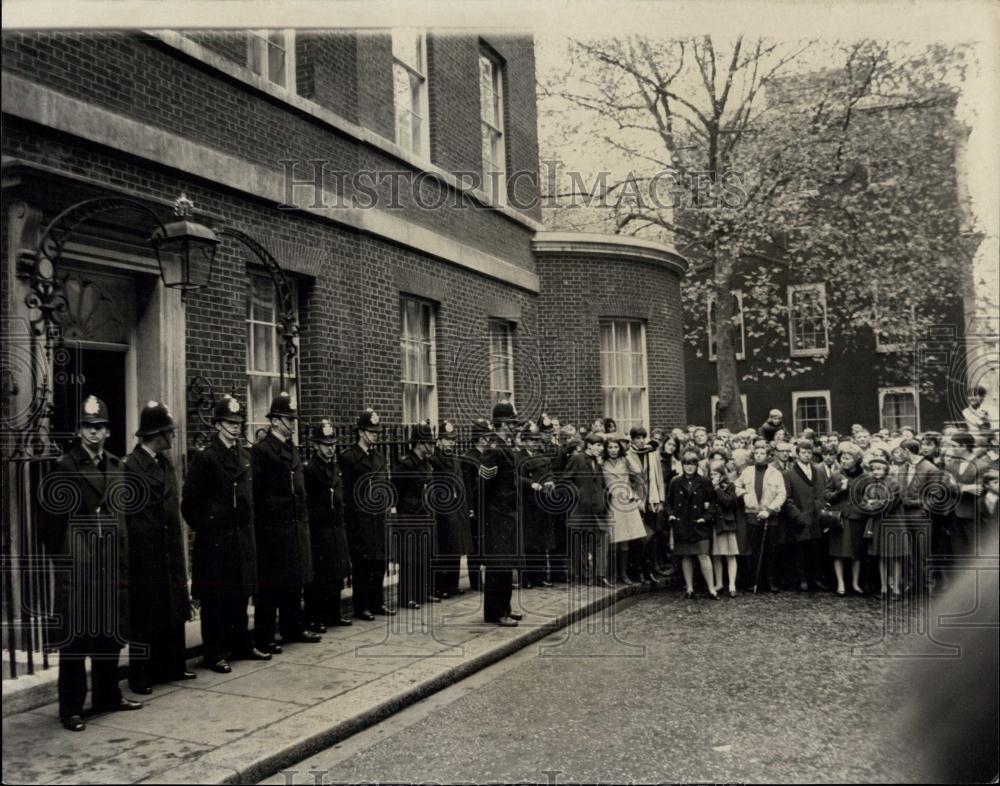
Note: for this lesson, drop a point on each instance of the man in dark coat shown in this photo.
(281, 519)
(414, 523)
(925, 489)
(805, 493)
(534, 471)
(218, 507)
(367, 501)
(770, 426)
(451, 512)
(82, 525)
(586, 534)
(498, 472)
(331, 559)
(158, 595)
(481, 433)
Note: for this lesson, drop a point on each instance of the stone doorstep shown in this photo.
(30, 691)
(267, 751)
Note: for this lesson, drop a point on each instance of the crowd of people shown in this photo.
(532, 498)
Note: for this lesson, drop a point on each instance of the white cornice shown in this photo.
(620, 247)
(44, 106)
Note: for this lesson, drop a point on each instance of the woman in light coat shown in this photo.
(624, 493)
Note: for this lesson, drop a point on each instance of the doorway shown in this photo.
(90, 370)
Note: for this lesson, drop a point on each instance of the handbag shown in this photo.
(829, 519)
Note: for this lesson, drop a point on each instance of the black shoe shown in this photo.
(386, 611)
(316, 627)
(142, 690)
(514, 615)
(343, 622)
(274, 648)
(547, 584)
(689, 596)
(255, 654)
(367, 616)
(305, 637)
(73, 723)
(123, 705)
(715, 596)
(185, 675)
(434, 598)
(774, 588)
(507, 622)
(603, 582)
(220, 666)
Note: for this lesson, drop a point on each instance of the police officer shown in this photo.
(367, 501)
(331, 560)
(481, 435)
(158, 592)
(498, 472)
(534, 472)
(454, 531)
(281, 519)
(83, 503)
(410, 478)
(218, 506)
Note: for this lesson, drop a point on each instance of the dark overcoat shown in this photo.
(498, 472)
(690, 508)
(410, 478)
(217, 504)
(82, 525)
(803, 500)
(327, 535)
(587, 477)
(281, 518)
(537, 526)
(727, 504)
(158, 584)
(368, 497)
(451, 504)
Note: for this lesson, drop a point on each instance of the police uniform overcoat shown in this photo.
(367, 501)
(82, 523)
(217, 504)
(328, 538)
(451, 504)
(537, 526)
(498, 471)
(159, 594)
(281, 517)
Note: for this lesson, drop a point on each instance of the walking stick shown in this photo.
(760, 558)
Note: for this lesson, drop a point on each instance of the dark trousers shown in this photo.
(533, 572)
(322, 602)
(414, 550)
(367, 577)
(474, 559)
(807, 561)
(286, 603)
(164, 657)
(103, 652)
(224, 628)
(769, 565)
(558, 557)
(446, 575)
(498, 589)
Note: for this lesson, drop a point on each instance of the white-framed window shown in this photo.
(811, 409)
(419, 360)
(409, 87)
(271, 55)
(623, 372)
(889, 340)
(492, 125)
(739, 331)
(501, 360)
(264, 350)
(715, 400)
(898, 408)
(808, 331)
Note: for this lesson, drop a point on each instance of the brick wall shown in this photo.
(324, 63)
(146, 80)
(576, 291)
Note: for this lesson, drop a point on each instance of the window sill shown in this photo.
(809, 353)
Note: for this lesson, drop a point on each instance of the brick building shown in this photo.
(391, 175)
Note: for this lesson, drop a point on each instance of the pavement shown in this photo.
(245, 726)
(787, 688)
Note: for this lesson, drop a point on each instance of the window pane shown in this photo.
(276, 60)
(258, 49)
(263, 343)
(263, 299)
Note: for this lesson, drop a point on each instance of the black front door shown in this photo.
(89, 371)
